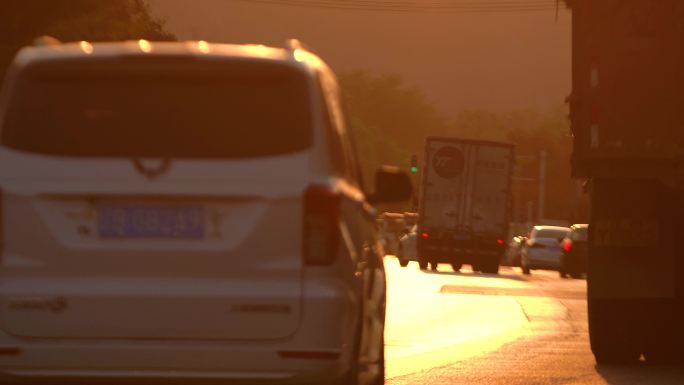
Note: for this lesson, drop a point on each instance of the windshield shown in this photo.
(190, 109)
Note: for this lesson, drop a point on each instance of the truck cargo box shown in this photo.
(627, 103)
(465, 201)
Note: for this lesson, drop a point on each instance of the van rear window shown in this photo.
(160, 108)
(551, 233)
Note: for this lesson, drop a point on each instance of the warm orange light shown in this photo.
(145, 46)
(257, 49)
(298, 55)
(203, 46)
(86, 47)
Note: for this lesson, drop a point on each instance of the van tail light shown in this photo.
(567, 246)
(321, 235)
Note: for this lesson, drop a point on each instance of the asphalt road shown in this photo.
(469, 328)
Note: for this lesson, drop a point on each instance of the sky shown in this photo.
(493, 61)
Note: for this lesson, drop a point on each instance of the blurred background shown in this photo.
(491, 74)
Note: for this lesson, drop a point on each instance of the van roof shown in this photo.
(551, 228)
(143, 48)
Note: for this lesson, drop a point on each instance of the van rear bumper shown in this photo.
(320, 351)
(133, 362)
(162, 378)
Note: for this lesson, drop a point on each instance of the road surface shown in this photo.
(468, 328)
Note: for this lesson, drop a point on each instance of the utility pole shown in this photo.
(542, 184)
(414, 169)
(540, 180)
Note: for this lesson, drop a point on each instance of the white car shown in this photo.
(188, 212)
(407, 247)
(542, 250)
(514, 251)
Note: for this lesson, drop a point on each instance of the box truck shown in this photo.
(464, 203)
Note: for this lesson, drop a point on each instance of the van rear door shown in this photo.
(161, 200)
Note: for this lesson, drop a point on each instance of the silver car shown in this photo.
(514, 251)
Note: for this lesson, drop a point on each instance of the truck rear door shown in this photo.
(492, 166)
(447, 186)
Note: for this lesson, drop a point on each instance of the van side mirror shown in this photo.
(391, 185)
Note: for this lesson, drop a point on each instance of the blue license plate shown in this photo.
(150, 221)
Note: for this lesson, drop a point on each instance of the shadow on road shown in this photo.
(642, 374)
(478, 275)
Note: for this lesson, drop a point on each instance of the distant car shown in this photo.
(514, 250)
(185, 212)
(407, 247)
(574, 252)
(543, 250)
(392, 226)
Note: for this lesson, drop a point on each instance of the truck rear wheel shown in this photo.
(613, 335)
(491, 266)
(422, 264)
(662, 333)
(456, 266)
(612, 355)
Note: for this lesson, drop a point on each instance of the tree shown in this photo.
(72, 20)
(390, 120)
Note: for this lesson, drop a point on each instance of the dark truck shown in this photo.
(464, 203)
(627, 112)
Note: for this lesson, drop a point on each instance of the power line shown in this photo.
(394, 5)
(496, 6)
(402, 9)
(428, 3)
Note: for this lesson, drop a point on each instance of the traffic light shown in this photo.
(414, 163)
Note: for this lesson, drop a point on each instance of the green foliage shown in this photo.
(21, 21)
(390, 120)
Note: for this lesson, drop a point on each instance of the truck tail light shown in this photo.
(499, 241)
(321, 234)
(425, 235)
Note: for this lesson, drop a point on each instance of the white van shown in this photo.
(185, 211)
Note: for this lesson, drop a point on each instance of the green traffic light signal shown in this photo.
(414, 164)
